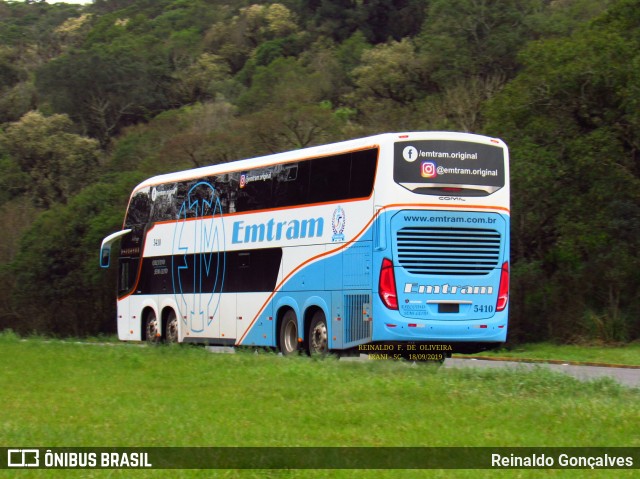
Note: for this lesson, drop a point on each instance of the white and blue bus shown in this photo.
(399, 238)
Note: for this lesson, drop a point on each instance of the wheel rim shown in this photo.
(172, 329)
(319, 338)
(152, 329)
(290, 337)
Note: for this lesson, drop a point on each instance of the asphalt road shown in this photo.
(626, 376)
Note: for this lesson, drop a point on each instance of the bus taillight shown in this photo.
(387, 285)
(503, 290)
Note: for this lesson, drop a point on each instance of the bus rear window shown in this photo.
(435, 167)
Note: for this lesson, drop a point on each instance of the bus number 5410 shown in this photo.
(483, 308)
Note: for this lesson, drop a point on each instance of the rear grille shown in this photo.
(449, 251)
(356, 328)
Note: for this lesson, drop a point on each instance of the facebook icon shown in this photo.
(410, 154)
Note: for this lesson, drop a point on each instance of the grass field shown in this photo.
(63, 394)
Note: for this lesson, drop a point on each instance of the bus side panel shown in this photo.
(262, 330)
(260, 327)
(356, 262)
(140, 306)
(347, 311)
(125, 331)
(308, 275)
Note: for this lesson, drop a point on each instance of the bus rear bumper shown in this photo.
(392, 327)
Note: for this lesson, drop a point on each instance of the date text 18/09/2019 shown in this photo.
(412, 352)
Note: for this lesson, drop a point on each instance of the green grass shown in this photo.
(57, 394)
(628, 354)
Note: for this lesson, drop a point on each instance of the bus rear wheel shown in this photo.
(152, 328)
(289, 334)
(318, 335)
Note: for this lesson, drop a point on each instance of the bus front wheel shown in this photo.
(318, 335)
(289, 333)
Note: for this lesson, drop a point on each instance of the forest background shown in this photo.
(95, 98)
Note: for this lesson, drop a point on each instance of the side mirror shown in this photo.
(105, 256)
(105, 249)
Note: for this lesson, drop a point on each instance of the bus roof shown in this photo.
(311, 152)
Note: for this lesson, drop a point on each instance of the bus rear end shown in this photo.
(442, 242)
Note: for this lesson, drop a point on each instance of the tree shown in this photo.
(199, 141)
(463, 101)
(286, 106)
(203, 79)
(384, 20)
(476, 38)
(391, 88)
(107, 87)
(194, 135)
(291, 126)
(237, 39)
(336, 19)
(58, 162)
(58, 287)
(392, 71)
(571, 119)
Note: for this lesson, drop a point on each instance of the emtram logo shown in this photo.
(199, 260)
(338, 222)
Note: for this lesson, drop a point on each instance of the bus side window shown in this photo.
(255, 190)
(329, 178)
(291, 185)
(124, 283)
(363, 172)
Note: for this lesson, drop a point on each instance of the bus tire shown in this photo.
(318, 335)
(152, 328)
(289, 333)
(171, 328)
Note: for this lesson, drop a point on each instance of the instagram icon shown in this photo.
(428, 169)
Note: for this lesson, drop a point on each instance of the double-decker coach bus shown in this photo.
(399, 238)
